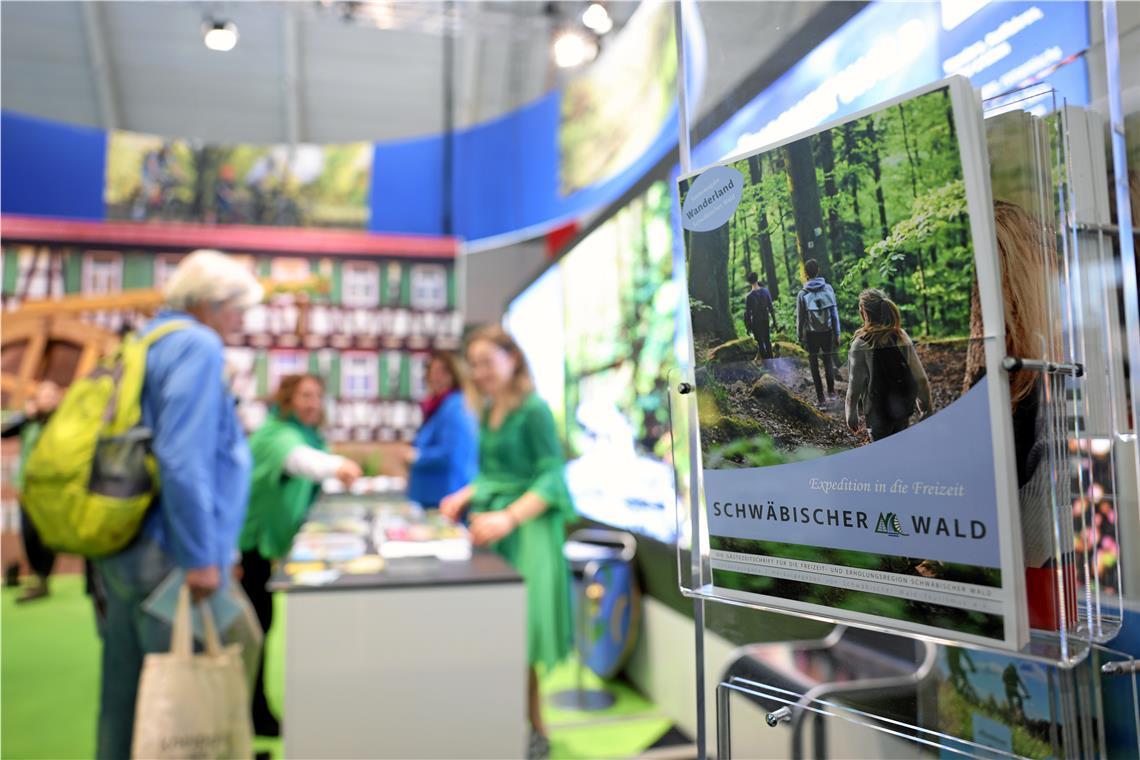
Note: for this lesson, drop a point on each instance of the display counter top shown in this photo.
(411, 572)
(381, 541)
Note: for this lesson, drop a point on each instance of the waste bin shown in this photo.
(607, 611)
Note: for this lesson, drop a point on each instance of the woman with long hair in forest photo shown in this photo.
(886, 375)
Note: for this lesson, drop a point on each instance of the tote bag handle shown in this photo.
(182, 635)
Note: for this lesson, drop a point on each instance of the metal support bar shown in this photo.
(1106, 229)
(1120, 668)
(682, 89)
(723, 722)
(698, 604)
(106, 88)
(1125, 242)
(1016, 364)
(819, 737)
(448, 71)
(699, 654)
(470, 37)
(776, 717)
(291, 77)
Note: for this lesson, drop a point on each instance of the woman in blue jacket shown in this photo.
(444, 457)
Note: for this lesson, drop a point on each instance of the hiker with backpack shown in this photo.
(757, 308)
(817, 326)
(168, 386)
(887, 382)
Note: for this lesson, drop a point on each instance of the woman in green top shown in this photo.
(290, 459)
(519, 503)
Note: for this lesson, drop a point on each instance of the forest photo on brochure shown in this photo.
(843, 388)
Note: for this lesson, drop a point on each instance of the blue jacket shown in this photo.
(203, 458)
(448, 446)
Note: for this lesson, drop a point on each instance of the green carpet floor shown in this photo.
(49, 686)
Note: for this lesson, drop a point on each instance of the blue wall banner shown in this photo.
(506, 182)
(51, 169)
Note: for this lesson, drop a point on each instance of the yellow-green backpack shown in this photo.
(91, 477)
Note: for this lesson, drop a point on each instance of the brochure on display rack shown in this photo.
(855, 427)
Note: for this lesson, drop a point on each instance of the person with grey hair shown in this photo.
(204, 466)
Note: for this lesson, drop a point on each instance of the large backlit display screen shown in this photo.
(536, 322)
(892, 47)
(612, 113)
(603, 322)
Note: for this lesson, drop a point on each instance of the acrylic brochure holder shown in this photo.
(936, 706)
(1057, 690)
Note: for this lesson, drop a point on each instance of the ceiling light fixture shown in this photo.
(597, 19)
(220, 35)
(573, 48)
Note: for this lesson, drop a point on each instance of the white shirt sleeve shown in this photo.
(312, 464)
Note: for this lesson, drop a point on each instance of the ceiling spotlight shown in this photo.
(573, 48)
(597, 18)
(220, 35)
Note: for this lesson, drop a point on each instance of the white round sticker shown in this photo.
(712, 199)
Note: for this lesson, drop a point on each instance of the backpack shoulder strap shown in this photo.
(163, 330)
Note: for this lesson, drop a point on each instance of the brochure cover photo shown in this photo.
(851, 466)
(993, 701)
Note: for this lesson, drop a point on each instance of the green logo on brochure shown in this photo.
(889, 524)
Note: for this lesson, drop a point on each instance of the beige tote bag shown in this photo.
(193, 705)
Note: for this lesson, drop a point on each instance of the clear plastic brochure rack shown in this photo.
(1007, 658)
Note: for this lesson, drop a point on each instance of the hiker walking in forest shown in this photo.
(817, 326)
(757, 307)
(886, 378)
(1016, 692)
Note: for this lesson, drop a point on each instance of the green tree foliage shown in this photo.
(620, 329)
(336, 197)
(888, 210)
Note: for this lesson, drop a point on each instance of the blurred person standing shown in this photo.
(28, 426)
(758, 307)
(290, 459)
(817, 327)
(519, 503)
(204, 465)
(444, 456)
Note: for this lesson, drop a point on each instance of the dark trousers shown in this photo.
(129, 634)
(882, 427)
(763, 340)
(255, 574)
(816, 344)
(40, 558)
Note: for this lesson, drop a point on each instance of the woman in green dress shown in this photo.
(519, 503)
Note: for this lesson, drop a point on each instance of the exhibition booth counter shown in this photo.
(392, 622)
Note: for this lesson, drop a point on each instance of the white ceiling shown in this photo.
(353, 81)
(302, 72)
(142, 66)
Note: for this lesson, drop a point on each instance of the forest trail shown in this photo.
(776, 397)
